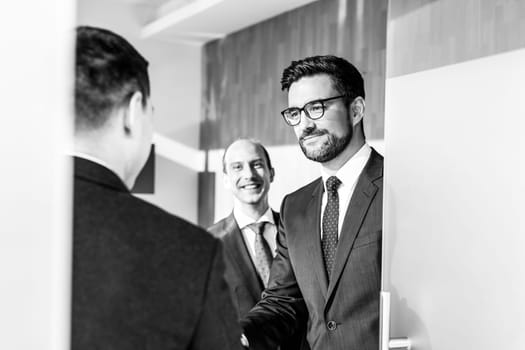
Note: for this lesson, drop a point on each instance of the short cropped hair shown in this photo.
(346, 78)
(257, 144)
(108, 71)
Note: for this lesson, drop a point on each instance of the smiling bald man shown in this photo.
(249, 232)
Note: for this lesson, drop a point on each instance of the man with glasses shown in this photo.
(327, 272)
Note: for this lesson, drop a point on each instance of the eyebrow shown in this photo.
(315, 100)
(249, 162)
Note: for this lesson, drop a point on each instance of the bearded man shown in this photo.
(326, 275)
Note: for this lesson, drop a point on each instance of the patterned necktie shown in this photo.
(330, 223)
(263, 253)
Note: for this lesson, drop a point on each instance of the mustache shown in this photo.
(312, 132)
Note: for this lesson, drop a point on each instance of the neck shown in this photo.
(254, 211)
(355, 144)
(103, 151)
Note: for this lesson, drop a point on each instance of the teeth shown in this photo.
(250, 187)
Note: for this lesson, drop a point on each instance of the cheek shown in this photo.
(297, 130)
(228, 182)
(265, 176)
(339, 128)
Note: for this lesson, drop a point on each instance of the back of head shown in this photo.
(108, 71)
(346, 78)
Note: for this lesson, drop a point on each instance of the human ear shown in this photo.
(133, 112)
(358, 110)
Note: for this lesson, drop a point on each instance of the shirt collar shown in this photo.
(92, 159)
(244, 220)
(351, 170)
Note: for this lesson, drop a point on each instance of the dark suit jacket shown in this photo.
(342, 314)
(142, 278)
(245, 284)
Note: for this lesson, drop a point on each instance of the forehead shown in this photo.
(243, 151)
(310, 88)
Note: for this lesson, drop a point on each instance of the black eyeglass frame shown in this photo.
(304, 109)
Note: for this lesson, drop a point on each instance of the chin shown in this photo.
(317, 154)
(250, 199)
(327, 150)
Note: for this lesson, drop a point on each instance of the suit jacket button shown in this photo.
(331, 325)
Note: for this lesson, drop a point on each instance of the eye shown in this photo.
(293, 113)
(236, 167)
(315, 107)
(258, 165)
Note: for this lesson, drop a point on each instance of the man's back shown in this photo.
(142, 278)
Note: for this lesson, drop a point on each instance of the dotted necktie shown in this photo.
(330, 223)
(263, 253)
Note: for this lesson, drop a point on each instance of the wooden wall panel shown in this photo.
(206, 199)
(425, 34)
(242, 94)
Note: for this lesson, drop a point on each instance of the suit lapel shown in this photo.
(276, 218)
(359, 203)
(312, 226)
(240, 257)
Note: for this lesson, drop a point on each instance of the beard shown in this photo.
(329, 149)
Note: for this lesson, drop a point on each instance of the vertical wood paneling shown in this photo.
(242, 94)
(425, 34)
(206, 199)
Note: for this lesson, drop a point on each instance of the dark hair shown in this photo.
(108, 71)
(256, 143)
(346, 78)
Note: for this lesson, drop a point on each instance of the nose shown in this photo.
(247, 172)
(305, 123)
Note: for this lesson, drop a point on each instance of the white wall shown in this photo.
(175, 74)
(35, 176)
(454, 237)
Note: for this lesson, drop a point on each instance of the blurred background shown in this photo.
(215, 71)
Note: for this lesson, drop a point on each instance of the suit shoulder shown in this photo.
(217, 228)
(306, 190)
(150, 223)
(220, 228)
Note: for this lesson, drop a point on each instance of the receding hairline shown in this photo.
(253, 142)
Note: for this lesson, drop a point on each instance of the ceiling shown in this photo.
(200, 21)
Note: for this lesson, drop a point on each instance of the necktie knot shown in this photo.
(258, 227)
(332, 184)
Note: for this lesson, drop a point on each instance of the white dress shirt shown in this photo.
(348, 174)
(270, 231)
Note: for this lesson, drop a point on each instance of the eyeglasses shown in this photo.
(313, 110)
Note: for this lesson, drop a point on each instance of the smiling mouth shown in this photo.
(250, 186)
